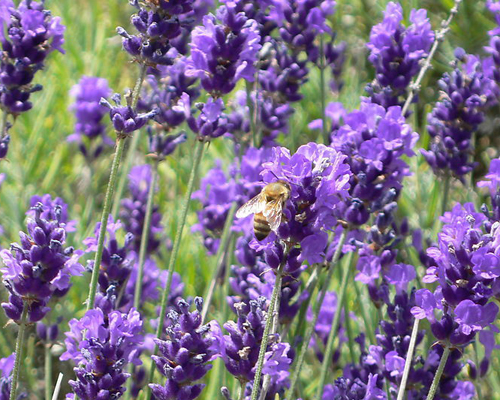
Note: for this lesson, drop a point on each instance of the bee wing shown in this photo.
(252, 206)
(273, 213)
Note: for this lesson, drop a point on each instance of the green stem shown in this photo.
(316, 309)
(132, 148)
(251, 107)
(242, 391)
(364, 314)
(350, 336)
(310, 287)
(409, 360)
(439, 373)
(198, 154)
(19, 353)
(120, 144)
(335, 325)
(267, 328)
(446, 192)
(145, 235)
(324, 129)
(226, 235)
(48, 371)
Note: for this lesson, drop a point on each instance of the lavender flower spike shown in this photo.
(102, 345)
(6, 367)
(396, 52)
(184, 355)
(40, 267)
(224, 52)
(89, 113)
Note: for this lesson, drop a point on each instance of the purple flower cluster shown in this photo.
(158, 23)
(493, 185)
(219, 190)
(116, 265)
(40, 267)
(319, 177)
(223, 51)
(374, 140)
(28, 35)
(465, 93)
(465, 267)
(102, 345)
(184, 356)
(6, 367)
(164, 90)
(133, 210)
(396, 52)
(89, 113)
(124, 118)
(240, 349)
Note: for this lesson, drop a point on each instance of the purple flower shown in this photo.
(40, 267)
(157, 25)
(124, 118)
(116, 265)
(4, 145)
(465, 93)
(102, 346)
(223, 51)
(184, 356)
(6, 367)
(319, 180)
(89, 113)
(493, 184)
(396, 52)
(31, 34)
(464, 266)
(374, 141)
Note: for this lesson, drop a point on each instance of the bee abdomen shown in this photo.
(261, 228)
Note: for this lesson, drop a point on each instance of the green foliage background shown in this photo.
(41, 161)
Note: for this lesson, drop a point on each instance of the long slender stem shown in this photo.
(346, 273)
(446, 192)
(224, 241)
(145, 235)
(415, 86)
(133, 145)
(48, 371)
(324, 130)
(251, 107)
(439, 373)
(57, 388)
(267, 328)
(19, 353)
(409, 360)
(120, 144)
(198, 154)
(350, 336)
(317, 308)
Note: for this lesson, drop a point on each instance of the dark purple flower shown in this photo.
(157, 23)
(6, 367)
(102, 346)
(184, 356)
(4, 146)
(223, 51)
(31, 34)
(465, 93)
(124, 118)
(464, 265)
(396, 52)
(40, 267)
(89, 113)
(493, 184)
(374, 140)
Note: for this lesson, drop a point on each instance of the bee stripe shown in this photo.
(261, 227)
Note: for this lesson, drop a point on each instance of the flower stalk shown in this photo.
(198, 154)
(346, 273)
(409, 359)
(19, 352)
(267, 329)
(145, 234)
(439, 373)
(316, 310)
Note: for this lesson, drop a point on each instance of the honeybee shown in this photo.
(267, 208)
